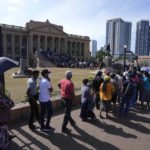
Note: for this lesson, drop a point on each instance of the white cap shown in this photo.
(68, 73)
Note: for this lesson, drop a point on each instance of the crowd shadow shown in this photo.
(93, 141)
(111, 129)
(75, 141)
(140, 110)
(26, 144)
(69, 141)
(139, 118)
(59, 140)
(128, 123)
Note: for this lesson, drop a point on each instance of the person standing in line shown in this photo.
(128, 92)
(119, 82)
(146, 87)
(45, 89)
(114, 81)
(106, 92)
(87, 103)
(95, 87)
(32, 95)
(67, 93)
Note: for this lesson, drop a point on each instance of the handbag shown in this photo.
(6, 102)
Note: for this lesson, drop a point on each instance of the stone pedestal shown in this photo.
(23, 72)
(23, 65)
(108, 61)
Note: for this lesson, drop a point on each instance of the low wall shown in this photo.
(23, 109)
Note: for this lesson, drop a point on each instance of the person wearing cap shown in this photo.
(67, 93)
(106, 91)
(45, 89)
(32, 96)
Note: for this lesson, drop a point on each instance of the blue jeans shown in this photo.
(46, 108)
(124, 110)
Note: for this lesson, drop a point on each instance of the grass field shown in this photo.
(17, 87)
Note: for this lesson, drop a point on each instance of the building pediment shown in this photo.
(51, 29)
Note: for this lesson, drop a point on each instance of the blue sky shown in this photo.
(82, 17)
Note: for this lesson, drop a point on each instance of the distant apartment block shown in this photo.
(93, 48)
(118, 34)
(142, 45)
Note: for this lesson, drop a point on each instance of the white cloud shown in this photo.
(83, 17)
(36, 1)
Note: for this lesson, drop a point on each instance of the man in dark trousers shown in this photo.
(32, 95)
(67, 93)
(45, 92)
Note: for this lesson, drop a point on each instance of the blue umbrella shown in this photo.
(6, 64)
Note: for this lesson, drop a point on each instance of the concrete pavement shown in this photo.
(100, 134)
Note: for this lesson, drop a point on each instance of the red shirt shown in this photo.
(67, 88)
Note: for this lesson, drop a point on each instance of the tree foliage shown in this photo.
(101, 54)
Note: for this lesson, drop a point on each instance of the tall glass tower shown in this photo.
(118, 34)
(142, 45)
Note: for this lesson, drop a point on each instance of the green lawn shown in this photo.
(17, 87)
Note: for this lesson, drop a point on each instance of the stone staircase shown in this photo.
(44, 62)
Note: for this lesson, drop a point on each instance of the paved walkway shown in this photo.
(107, 134)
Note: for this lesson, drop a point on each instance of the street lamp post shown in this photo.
(124, 60)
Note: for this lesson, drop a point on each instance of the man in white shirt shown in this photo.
(45, 89)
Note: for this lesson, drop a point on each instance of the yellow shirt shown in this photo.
(107, 95)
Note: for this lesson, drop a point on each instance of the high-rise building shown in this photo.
(118, 34)
(93, 48)
(142, 45)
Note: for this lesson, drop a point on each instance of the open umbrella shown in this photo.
(6, 64)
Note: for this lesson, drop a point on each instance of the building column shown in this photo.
(65, 47)
(13, 45)
(45, 43)
(30, 48)
(80, 50)
(53, 43)
(59, 45)
(71, 48)
(4, 44)
(38, 43)
(75, 48)
(20, 41)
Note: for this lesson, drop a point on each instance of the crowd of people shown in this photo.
(124, 89)
(43, 92)
(65, 60)
(104, 92)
